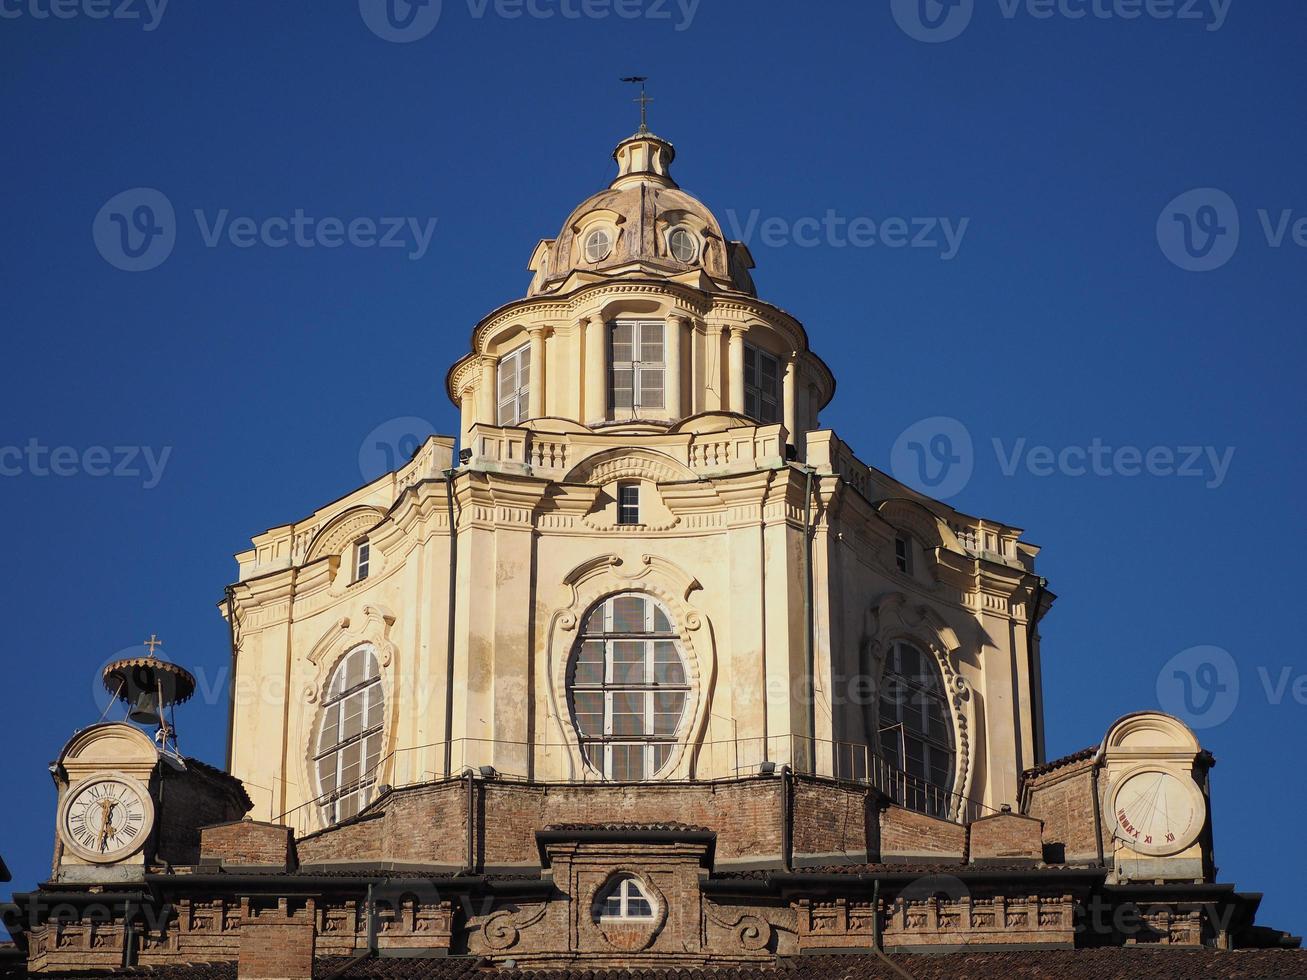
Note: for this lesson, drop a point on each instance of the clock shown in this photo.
(1157, 812)
(106, 817)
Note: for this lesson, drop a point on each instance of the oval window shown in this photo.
(347, 749)
(628, 688)
(598, 244)
(683, 245)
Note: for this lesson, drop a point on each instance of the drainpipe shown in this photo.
(231, 678)
(876, 941)
(787, 821)
(471, 823)
(372, 923)
(1036, 695)
(1098, 815)
(453, 598)
(129, 937)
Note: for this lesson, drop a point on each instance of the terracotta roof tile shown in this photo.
(1052, 764)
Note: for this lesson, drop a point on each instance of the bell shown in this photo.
(148, 686)
(141, 693)
(144, 708)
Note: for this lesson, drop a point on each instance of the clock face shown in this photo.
(1157, 812)
(106, 818)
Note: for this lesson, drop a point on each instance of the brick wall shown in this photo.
(192, 799)
(833, 823)
(909, 837)
(1005, 837)
(247, 842)
(746, 815)
(277, 944)
(427, 825)
(1064, 800)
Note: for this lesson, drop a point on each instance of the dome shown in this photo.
(642, 226)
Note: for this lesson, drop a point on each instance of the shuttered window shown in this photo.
(762, 385)
(515, 386)
(636, 365)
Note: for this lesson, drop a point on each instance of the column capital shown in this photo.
(538, 332)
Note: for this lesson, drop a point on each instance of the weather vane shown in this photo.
(643, 100)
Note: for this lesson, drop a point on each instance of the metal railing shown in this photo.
(564, 763)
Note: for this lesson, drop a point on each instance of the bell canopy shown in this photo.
(643, 225)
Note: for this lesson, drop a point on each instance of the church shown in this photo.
(643, 670)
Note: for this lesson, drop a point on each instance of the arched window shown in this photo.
(916, 732)
(623, 900)
(348, 744)
(627, 687)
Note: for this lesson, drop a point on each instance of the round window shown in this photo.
(683, 245)
(598, 244)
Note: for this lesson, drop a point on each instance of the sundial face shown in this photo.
(106, 818)
(1157, 812)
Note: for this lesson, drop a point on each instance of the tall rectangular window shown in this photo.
(362, 560)
(636, 365)
(628, 503)
(514, 386)
(762, 385)
(903, 554)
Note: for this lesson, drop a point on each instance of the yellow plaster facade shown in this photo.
(781, 562)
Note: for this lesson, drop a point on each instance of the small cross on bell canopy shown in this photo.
(148, 685)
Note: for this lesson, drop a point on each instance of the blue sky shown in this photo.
(1128, 378)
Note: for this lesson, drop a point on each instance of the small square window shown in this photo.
(628, 503)
(362, 560)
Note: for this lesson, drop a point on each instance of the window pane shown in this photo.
(651, 387)
(375, 704)
(330, 734)
(623, 386)
(661, 753)
(623, 351)
(590, 712)
(638, 907)
(351, 721)
(668, 668)
(628, 614)
(371, 755)
(351, 763)
(651, 343)
(668, 707)
(630, 662)
(661, 623)
(628, 762)
(590, 664)
(628, 712)
(327, 774)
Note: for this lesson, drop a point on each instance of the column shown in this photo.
(488, 403)
(536, 395)
(596, 377)
(791, 413)
(672, 375)
(468, 406)
(735, 359)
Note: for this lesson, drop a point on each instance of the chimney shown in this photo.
(277, 944)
